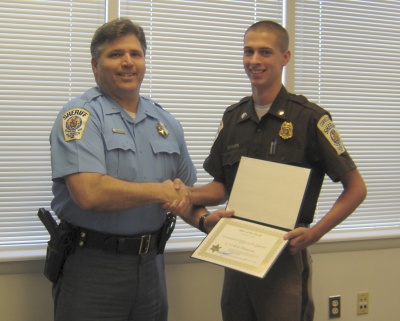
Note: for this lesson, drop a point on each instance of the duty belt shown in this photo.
(136, 245)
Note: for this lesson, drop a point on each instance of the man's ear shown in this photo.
(286, 57)
(94, 64)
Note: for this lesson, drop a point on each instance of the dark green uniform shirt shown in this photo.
(294, 132)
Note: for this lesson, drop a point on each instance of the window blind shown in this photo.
(194, 68)
(347, 61)
(44, 62)
(194, 71)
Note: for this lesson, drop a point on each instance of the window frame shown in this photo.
(36, 251)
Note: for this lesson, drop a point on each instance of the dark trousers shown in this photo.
(283, 295)
(103, 286)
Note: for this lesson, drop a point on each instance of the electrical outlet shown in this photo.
(334, 307)
(362, 302)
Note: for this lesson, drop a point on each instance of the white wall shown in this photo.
(344, 268)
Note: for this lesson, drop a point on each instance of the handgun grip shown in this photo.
(48, 221)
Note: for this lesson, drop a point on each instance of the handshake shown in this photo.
(178, 197)
(189, 203)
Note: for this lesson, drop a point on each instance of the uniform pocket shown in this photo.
(233, 157)
(230, 164)
(120, 156)
(290, 157)
(166, 155)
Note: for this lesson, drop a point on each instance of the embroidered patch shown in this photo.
(74, 123)
(328, 128)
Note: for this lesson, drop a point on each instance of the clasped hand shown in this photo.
(184, 209)
(178, 196)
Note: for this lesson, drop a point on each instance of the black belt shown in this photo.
(115, 243)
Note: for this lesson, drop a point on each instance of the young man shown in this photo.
(304, 135)
(114, 155)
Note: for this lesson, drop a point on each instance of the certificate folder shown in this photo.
(267, 198)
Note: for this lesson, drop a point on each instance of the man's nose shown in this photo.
(255, 58)
(127, 60)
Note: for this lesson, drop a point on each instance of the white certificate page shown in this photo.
(267, 198)
(243, 246)
(268, 192)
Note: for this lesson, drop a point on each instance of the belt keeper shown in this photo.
(144, 244)
(82, 238)
(121, 244)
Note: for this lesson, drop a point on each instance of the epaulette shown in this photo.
(77, 102)
(90, 95)
(153, 102)
(300, 99)
(240, 102)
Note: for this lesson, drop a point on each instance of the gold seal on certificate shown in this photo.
(267, 198)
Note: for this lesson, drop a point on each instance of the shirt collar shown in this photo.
(247, 111)
(278, 107)
(145, 107)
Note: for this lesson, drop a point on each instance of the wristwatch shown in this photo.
(202, 222)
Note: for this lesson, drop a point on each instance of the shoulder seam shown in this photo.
(243, 100)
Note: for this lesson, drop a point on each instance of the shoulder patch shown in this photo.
(328, 128)
(74, 123)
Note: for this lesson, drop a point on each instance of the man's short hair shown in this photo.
(114, 29)
(272, 26)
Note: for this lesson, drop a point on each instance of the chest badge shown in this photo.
(162, 130)
(286, 130)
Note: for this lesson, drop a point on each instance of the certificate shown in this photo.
(241, 245)
(267, 198)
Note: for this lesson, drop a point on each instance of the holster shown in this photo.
(61, 244)
(58, 249)
(166, 232)
(63, 240)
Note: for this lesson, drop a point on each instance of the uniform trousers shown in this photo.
(102, 286)
(283, 295)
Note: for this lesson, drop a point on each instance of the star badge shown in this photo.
(215, 248)
(162, 130)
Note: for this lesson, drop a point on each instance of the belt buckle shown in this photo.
(144, 244)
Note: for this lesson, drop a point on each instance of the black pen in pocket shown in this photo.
(272, 149)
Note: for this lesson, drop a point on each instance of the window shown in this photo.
(194, 67)
(44, 62)
(345, 59)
